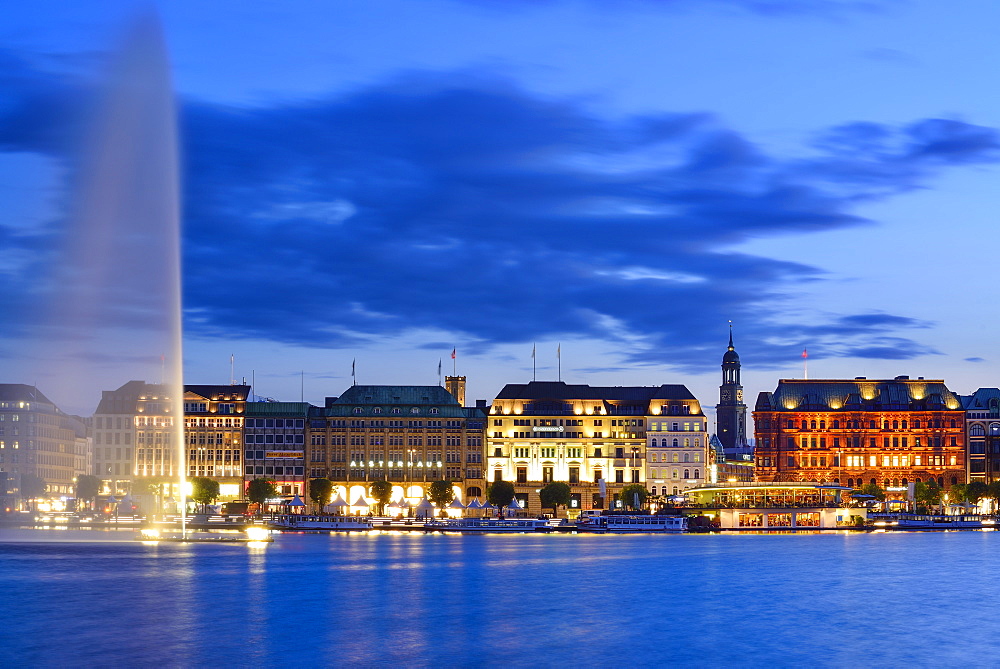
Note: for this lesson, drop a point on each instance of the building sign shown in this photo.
(547, 429)
(284, 454)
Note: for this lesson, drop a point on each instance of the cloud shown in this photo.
(466, 205)
(975, 359)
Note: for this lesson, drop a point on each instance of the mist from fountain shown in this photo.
(113, 300)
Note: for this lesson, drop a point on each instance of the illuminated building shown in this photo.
(409, 436)
(731, 412)
(37, 439)
(982, 424)
(274, 439)
(132, 432)
(854, 432)
(213, 434)
(596, 439)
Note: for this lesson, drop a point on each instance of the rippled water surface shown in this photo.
(99, 599)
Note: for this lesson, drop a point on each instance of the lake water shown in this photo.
(97, 599)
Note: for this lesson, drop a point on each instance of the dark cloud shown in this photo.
(471, 207)
(975, 359)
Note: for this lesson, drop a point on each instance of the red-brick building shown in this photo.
(853, 432)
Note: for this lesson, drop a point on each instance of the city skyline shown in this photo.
(501, 178)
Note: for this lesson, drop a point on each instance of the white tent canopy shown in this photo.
(456, 504)
(361, 502)
(474, 504)
(425, 504)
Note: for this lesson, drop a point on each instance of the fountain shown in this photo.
(113, 299)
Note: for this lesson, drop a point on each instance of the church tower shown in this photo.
(731, 412)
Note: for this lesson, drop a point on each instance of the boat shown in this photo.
(491, 525)
(252, 534)
(623, 523)
(927, 521)
(302, 523)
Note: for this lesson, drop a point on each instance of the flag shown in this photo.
(559, 350)
(805, 353)
(352, 367)
(532, 351)
(439, 366)
(453, 352)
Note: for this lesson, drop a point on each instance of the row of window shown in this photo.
(293, 423)
(915, 424)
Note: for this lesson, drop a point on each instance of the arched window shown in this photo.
(873, 482)
(954, 480)
(377, 410)
(687, 473)
(675, 473)
(676, 458)
(836, 425)
(977, 430)
(395, 410)
(822, 425)
(850, 483)
(904, 425)
(687, 442)
(435, 410)
(994, 429)
(940, 481)
(687, 456)
(676, 443)
(895, 424)
(414, 410)
(885, 425)
(916, 423)
(813, 425)
(953, 423)
(652, 491)
(697, 473)
(697, 441)
(653, 443)
(904, 482)
(805, 425)
(357, 409)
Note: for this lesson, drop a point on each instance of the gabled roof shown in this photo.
(557, 391)
(21, 392)
(860, 394)
(210, 391)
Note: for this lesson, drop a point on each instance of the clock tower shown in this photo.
(731, 412)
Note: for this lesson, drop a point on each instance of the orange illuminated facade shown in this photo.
(854, 432)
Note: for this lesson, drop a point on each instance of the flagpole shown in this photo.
(559, 359)
(533, 377)
(805, 364)
(439, 371)
(454, 361)
(232, 361)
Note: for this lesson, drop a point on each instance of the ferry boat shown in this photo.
(301, 523)
(926, 521)
(251, 534)
(623, 523)
(491, 525)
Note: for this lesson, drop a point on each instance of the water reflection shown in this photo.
(827, 600)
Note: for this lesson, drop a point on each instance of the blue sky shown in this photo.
(383, 181)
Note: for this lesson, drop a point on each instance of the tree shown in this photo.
(87, 488)
(204, 491)
(554, 495)
(441, 493)
(927, 494)
(993, 492)
(629, 493)
(382, 492)
(32, 487)
(873, 490)
(958, 493)
(260, 490)
(500, 494)
(319, 492)
(976, 491)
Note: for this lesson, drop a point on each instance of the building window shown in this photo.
(546, 474)
(574, 474)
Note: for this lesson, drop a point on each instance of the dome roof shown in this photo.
(731, 356)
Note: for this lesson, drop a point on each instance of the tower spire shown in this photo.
(731, 336)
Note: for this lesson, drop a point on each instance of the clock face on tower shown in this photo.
(739, 395)
(726, 395)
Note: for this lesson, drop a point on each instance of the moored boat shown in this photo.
(624, 523)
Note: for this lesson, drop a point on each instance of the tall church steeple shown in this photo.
(731, 412)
